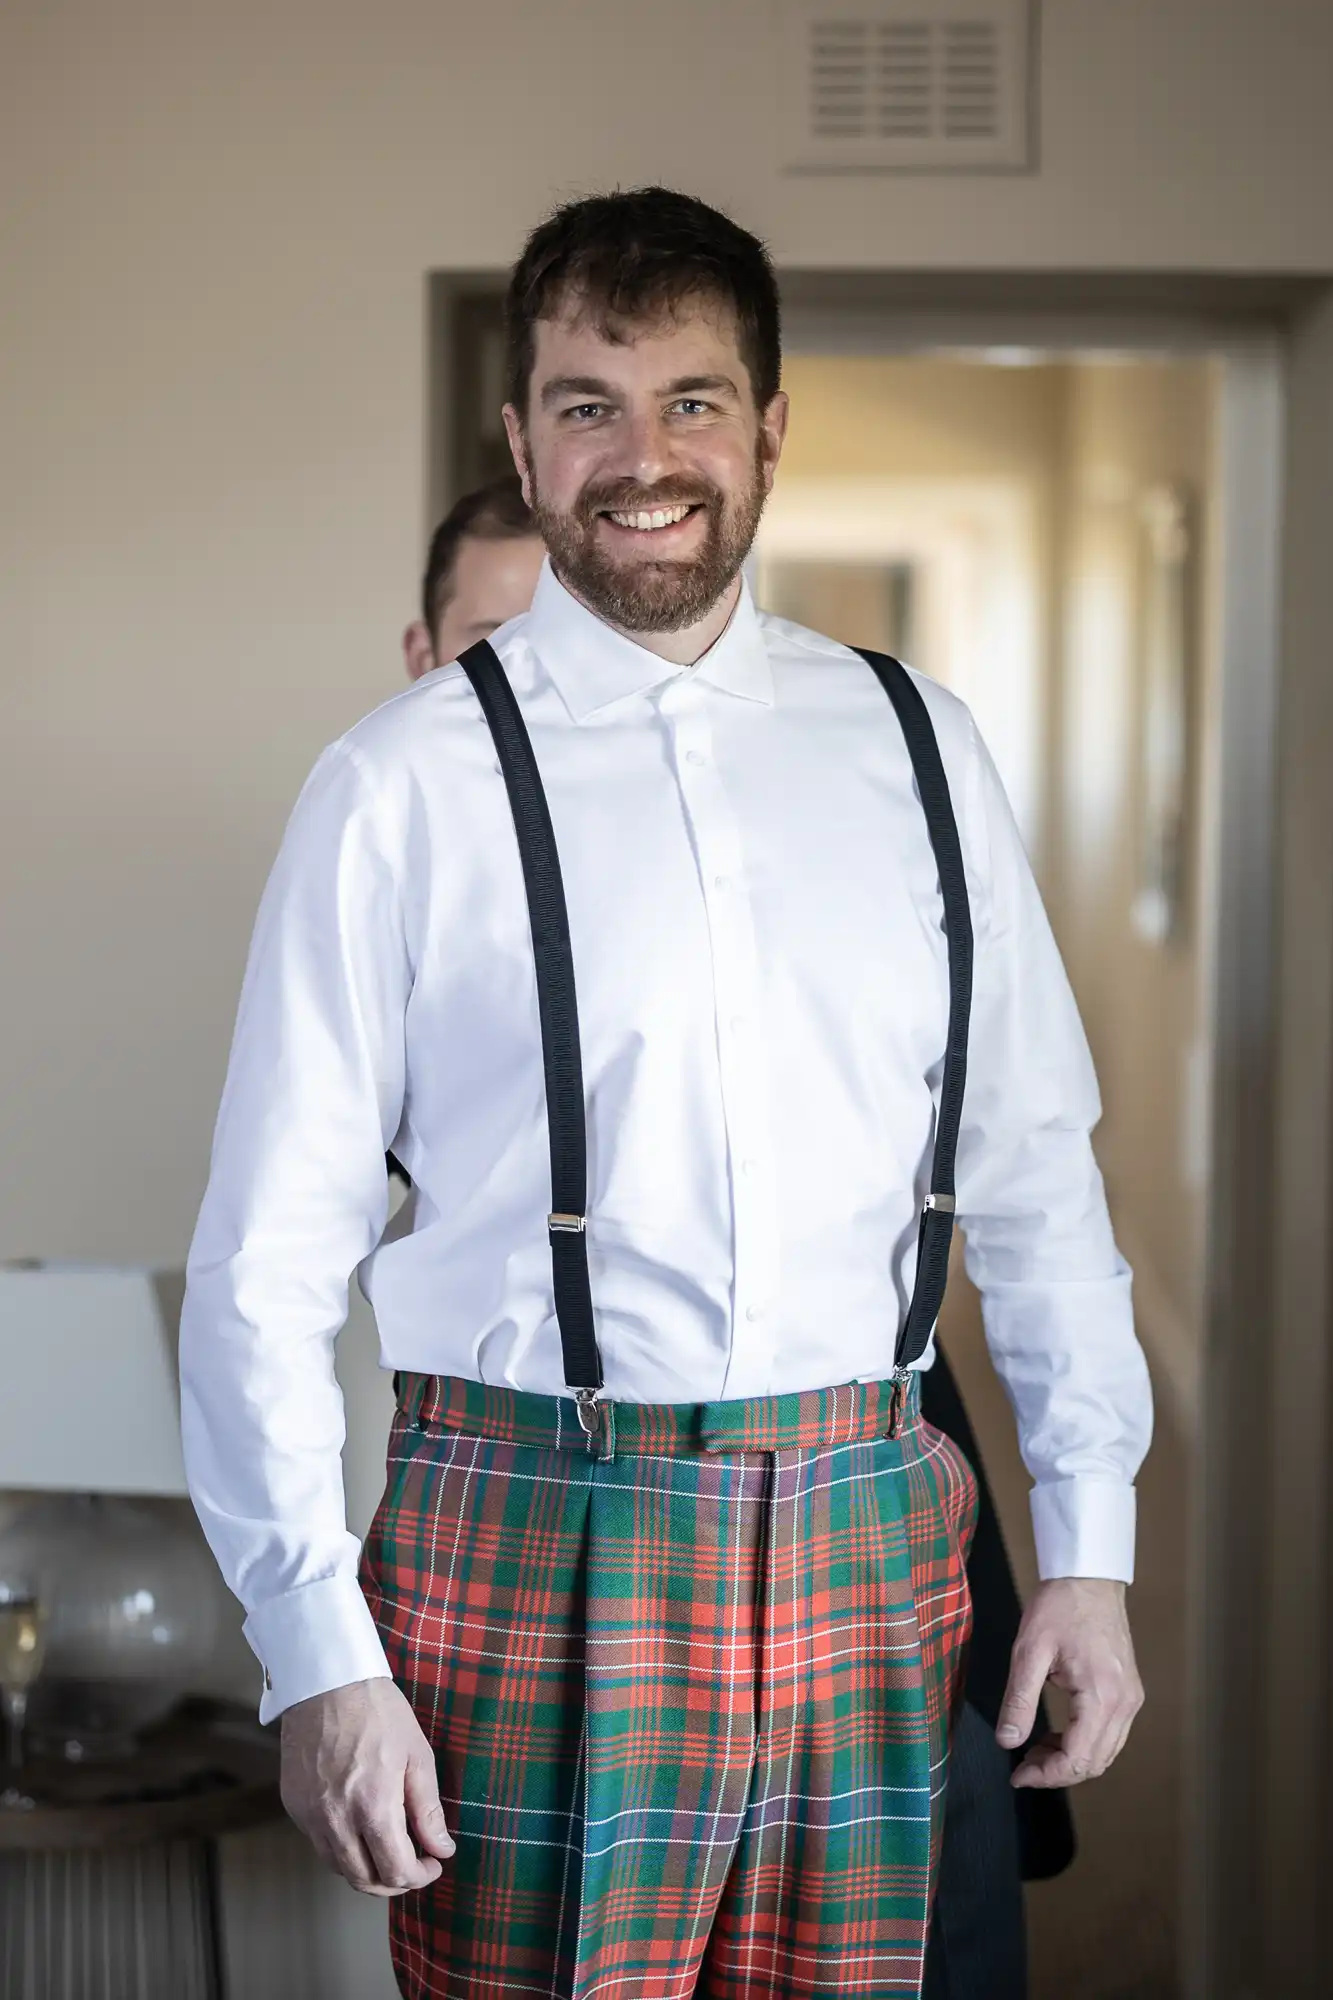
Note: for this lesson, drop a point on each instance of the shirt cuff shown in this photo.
(1084, 1527)
(318, 1637)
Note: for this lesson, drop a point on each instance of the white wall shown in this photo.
(211, 424)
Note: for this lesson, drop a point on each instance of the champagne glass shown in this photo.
(22, 1644)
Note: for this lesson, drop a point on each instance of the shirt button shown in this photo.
(694, 756)
(720, 881)
(737, 1023)
(754, 1312)
(747, 1166)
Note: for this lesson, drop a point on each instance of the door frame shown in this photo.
(1258, 1822)
(1248, 1595)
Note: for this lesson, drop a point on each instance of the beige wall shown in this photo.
(212, 424)
(1132, 426)
(923, 417)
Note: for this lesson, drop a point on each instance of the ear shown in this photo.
(518, 445)
(773, 432)
(418, 650)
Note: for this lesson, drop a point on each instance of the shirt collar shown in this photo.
(593, 666)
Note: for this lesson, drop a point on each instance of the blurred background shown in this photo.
(1060, 339)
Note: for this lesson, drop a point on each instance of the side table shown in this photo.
(108, 1883)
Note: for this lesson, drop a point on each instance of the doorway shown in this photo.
(1038, 530)
(1186, 843)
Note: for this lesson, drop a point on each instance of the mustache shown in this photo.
(627, 496)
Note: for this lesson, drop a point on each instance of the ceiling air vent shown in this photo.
(906, 84)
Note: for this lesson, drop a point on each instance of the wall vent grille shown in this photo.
(906, 84)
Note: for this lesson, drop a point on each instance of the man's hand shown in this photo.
(358, 1777)
(1075, 1633)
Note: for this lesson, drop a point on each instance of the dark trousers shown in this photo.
(994, 1837)
(977, 1944)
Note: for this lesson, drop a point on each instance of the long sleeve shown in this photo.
(296, 1198)
(1055, 1291)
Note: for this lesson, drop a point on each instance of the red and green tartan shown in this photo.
(689, 1702)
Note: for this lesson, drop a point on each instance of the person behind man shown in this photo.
(481, 570)
(665, 1598)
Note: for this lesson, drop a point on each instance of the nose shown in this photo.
(645, 452)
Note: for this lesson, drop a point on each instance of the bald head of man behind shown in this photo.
(481, 571)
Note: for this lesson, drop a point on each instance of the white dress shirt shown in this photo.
(763, 996)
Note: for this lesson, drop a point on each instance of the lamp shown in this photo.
(90, 1462)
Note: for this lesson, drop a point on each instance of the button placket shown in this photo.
(743, 1062)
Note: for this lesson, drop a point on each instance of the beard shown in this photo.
(635, 593)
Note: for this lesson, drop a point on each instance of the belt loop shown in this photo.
(416, 1397)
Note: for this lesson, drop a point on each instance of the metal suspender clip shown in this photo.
(902, 1381)
(568, 1225)
(945, 1203)
(590, 1415)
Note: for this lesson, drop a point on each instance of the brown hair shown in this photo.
(637, 255)
(494, 513)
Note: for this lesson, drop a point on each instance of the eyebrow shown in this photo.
(574, 385)
(688, 384)
(590, 385)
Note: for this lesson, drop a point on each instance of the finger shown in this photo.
(1100, 1715)
(1060, 1760)
(425, 1814)
(339, 1847)
(394, 1861)
(1130, 1711)
(1027, 1677)
(1046, 1767)
(1090, 1733)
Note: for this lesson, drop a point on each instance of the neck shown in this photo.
(688, 644)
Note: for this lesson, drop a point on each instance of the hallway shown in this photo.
(1108, 1928)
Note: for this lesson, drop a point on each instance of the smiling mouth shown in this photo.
(647, 521)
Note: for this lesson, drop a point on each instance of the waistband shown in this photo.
(811, 1420)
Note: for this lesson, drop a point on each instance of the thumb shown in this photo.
(1027, 1677)
(425, 1814)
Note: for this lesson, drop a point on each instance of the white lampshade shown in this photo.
(89, 1396)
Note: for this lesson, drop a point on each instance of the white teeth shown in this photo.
(661, 517)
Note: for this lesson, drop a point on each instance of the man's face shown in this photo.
(493, 581)
(646, 462)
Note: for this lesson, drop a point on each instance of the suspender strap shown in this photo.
(558, 1010)
(557, 1005)
(937, 1214)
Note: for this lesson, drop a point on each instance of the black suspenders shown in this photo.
(557, 1006)
(937, 1212)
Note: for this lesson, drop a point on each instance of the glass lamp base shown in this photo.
(94, 1721)
(131, 1599)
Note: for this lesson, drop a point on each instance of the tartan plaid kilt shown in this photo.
(689, 1702)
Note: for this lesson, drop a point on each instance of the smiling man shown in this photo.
(691, 964)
